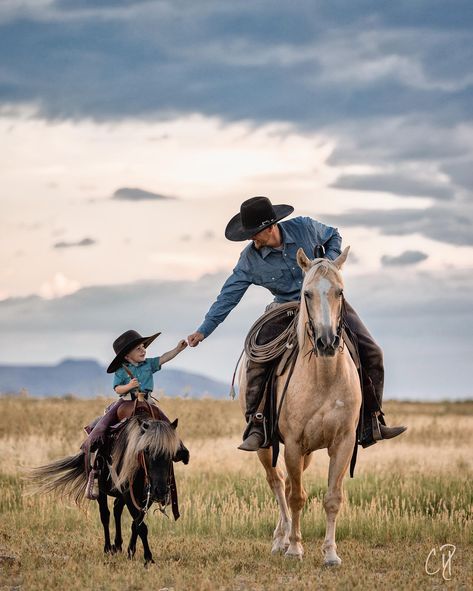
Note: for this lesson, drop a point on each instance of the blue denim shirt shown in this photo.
(277, 270)
(143, 372)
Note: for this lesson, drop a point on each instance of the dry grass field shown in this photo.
(408, 496)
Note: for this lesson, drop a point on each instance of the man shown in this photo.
(270, 261)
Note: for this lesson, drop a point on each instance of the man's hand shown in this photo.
(195, 338)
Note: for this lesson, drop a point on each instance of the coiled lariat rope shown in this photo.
(275, 348)
(261, 353)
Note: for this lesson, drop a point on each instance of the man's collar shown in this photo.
(286, 239)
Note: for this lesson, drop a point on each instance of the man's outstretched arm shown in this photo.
(231, 293)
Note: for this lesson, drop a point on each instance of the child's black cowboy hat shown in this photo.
(125, 343)
(255, 215)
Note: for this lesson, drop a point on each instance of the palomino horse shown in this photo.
(320, 409)
(139, 474)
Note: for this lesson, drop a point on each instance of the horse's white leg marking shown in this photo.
(339, 461)
(297, 498)
(275, 479)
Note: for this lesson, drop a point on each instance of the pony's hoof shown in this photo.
(115, 549)
(148, 562)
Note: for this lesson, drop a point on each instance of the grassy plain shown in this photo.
(408, 496)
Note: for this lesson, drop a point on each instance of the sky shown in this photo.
(131, 131)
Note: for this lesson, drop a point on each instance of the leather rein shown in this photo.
(171, 493)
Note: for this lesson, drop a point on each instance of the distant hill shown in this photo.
(87, 378)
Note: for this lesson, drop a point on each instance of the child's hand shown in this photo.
(181, 345)
(134, 383)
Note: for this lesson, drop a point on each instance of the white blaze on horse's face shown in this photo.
(322, 295)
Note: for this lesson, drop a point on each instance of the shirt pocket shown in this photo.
(272, 280)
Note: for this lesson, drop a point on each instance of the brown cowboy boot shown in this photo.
(255, 433)
(381, 431)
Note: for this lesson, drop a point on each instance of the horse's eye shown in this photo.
(307, 294)
(144, 426)
(340, 293)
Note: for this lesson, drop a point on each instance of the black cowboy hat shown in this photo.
(125, 343)
(255, 215)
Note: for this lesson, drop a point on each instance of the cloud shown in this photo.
(422, 321)
(453, 224)
(129, 194)
(58, 287)
(83, 242)
(408, 257)
(398, 184)
(325, 65)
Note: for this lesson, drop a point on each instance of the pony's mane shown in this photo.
(157, 439)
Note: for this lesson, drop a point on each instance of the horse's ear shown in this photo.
(302, 260)
(174, 423)
(339, 261)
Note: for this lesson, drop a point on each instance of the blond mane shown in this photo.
(155, 437)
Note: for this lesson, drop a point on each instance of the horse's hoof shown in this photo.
(333, 562)
(278, 549)
(293, 556)
(115, 549)
(149, 561)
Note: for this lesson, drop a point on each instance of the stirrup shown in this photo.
(255, 435)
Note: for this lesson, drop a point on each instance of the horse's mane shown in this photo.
(155, 437)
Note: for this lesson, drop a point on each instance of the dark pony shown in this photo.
(137, 471)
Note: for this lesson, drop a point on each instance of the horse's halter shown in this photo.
(312, 332)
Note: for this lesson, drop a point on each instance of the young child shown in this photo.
(133, 373)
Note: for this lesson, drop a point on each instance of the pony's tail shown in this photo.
(66, 476)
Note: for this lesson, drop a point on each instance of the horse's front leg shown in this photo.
(297, 497)
(105, 519)
(118, 505)
(275, 480)
(340, 455)
(138, 528)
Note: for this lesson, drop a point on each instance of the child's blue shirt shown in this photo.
(143, 372)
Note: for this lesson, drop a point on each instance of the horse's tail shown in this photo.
(66, 476)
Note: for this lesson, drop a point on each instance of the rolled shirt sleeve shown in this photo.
(154, 363)
(231, 293)
(120, 378)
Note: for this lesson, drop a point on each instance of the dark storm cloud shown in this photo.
(261, 61)
(453, 225)
(83, 242)
(133, 194)
(397, 184)
(408, 257)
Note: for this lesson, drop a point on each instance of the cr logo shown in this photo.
(446, 551)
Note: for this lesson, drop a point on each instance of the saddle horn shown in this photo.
(319, 251)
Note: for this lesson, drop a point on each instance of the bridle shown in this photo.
(311, 331)
(147, 481)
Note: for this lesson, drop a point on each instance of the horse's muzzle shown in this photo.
(327, 347)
